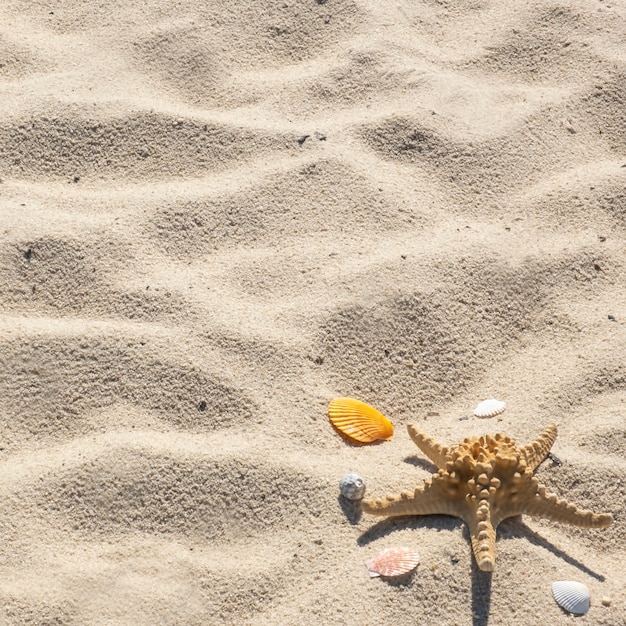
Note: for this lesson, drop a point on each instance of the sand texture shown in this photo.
(216, 216)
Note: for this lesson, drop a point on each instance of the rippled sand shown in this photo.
(217, 216)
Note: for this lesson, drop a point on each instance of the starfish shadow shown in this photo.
(390, 524)
(424, 464)
(515, 527)
(481, 595)
(481, 581)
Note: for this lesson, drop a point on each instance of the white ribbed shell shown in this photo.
(489, 408)
(571, 596)
(393, 562)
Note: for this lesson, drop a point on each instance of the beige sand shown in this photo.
(217, 216)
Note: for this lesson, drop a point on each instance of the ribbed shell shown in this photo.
(393, 562)
(358, 420)
(571, 596)
(489, 408)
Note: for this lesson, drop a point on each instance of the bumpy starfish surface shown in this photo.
(483, 481)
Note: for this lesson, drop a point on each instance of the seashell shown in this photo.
(358, 420)
(352, 486)
(393, 562)
(489, 408)
(571, 596)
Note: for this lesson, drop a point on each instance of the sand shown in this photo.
(215, 217)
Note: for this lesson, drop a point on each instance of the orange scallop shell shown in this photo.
(358, 420)
(393, 562)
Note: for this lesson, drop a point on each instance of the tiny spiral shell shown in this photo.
(352, 487)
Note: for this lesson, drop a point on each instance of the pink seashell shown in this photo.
(489, 408)
(393, 562)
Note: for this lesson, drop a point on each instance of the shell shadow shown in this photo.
(400, 581)
(351, 509)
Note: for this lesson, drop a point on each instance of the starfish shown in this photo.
(483, 481)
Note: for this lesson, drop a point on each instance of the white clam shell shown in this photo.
(489, 408)
(352, 487)
(393, 562)
(571, 596)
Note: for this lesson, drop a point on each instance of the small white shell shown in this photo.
(571, 596)
(489, 408)
(352, 486)
(393, 562)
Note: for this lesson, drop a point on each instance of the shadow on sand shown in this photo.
(481, 581)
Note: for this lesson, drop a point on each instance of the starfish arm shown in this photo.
(435, 451)
(483, 535)
(542, 504)
(537, 451)
(430, 499)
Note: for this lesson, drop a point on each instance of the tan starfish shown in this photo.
(483, 481)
